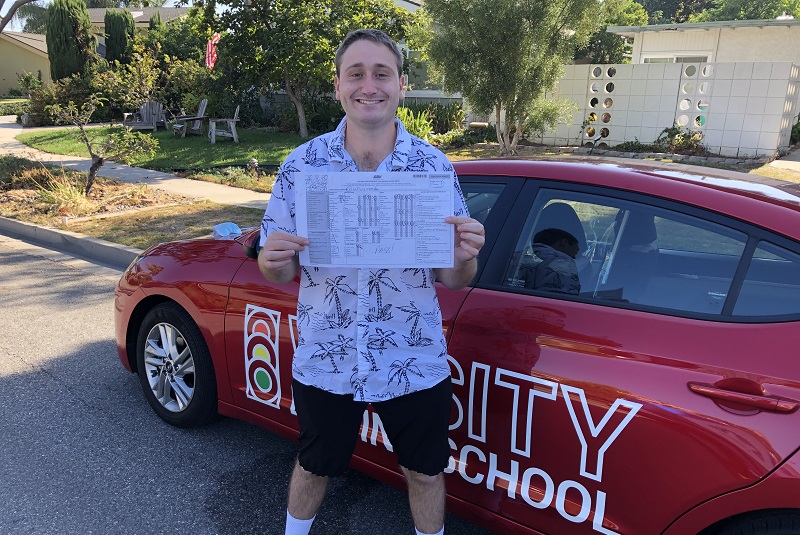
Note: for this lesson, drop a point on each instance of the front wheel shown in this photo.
(175, 367)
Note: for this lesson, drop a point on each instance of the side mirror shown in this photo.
(252, 246)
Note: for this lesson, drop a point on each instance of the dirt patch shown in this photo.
(130, 214)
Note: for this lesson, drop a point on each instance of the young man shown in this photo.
(384, 358)
(554, 269)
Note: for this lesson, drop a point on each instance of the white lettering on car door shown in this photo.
(594, 444)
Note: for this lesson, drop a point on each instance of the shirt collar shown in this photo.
(397, 161)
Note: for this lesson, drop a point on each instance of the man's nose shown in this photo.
(369, 87)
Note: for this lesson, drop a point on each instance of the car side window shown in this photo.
(772, 284)
(480, 198)
(613, 250)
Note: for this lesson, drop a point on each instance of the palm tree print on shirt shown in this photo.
(380, 339)
(415, 339)
(342, 320)
(330, 350)
(376, 280)
(417, 271)
(400, 371)
(358, 384)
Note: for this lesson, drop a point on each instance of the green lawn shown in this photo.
(192, 152)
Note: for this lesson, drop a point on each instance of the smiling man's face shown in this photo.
(368, 85)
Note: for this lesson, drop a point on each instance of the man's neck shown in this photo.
(369, 148)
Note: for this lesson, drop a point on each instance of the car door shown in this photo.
(618, 407)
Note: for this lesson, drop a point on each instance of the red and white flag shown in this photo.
(211, 51)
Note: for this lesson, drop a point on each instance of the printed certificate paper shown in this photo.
(375, 219)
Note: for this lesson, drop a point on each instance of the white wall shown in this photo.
(772, 43)
(672, 43)
(743, 109)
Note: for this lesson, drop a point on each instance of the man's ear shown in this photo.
(336, 86)
(403, 86)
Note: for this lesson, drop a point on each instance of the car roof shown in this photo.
(764, 201)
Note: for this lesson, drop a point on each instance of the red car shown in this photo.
(657, 393)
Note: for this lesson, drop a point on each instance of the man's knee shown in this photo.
(422, 481)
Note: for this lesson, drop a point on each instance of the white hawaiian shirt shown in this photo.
(374, 333)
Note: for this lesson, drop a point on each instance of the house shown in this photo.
(735, 82)
(717, 42)
(28, 51)
(22, 52)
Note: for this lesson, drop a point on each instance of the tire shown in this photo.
(766, 523)
(179, 383)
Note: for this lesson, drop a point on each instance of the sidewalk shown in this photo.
(109, 254)
(126, 173)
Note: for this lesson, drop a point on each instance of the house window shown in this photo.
(676, 59)
(691, 59)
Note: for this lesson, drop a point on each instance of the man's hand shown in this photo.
(469, 237)
(278, 258)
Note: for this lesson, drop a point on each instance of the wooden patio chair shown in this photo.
(191, 124)
(149, 116)
(224, 128)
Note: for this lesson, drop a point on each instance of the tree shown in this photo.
(504, 55)
(118, 146)
(33, 17)
(748, 10)
(119, 35)
(604, 47)
(290, 44)
(70, 43)
(673, 11)
(13, 7)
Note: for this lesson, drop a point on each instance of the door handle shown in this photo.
(760, 402)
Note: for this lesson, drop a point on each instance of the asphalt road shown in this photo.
(81, 451)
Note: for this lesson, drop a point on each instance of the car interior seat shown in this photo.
(636, 257)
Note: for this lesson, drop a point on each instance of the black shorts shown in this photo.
(416, 425)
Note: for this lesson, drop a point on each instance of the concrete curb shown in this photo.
(101, 251)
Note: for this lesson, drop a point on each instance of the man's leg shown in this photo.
(417, 425)
(328, 432)
(426, 495)
(306, 492)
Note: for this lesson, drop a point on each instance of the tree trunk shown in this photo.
(517, 136)
(294, 95)
(97, 163)
(502, 133)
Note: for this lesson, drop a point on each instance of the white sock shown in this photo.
(440, 532)
(295, 526)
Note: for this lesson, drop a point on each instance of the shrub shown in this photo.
(464, 137)
(13, 108)
(286, 119)
(418, 124)
(678, 140)
(323, 115)
(71, 89)
(28, 81)
(11, 166)
(638, 146)
(795, 136)
(444, 117)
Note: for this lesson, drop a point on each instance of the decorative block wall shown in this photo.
(742, 109)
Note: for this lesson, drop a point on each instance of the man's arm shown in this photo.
(278, 260)
(469, 238)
